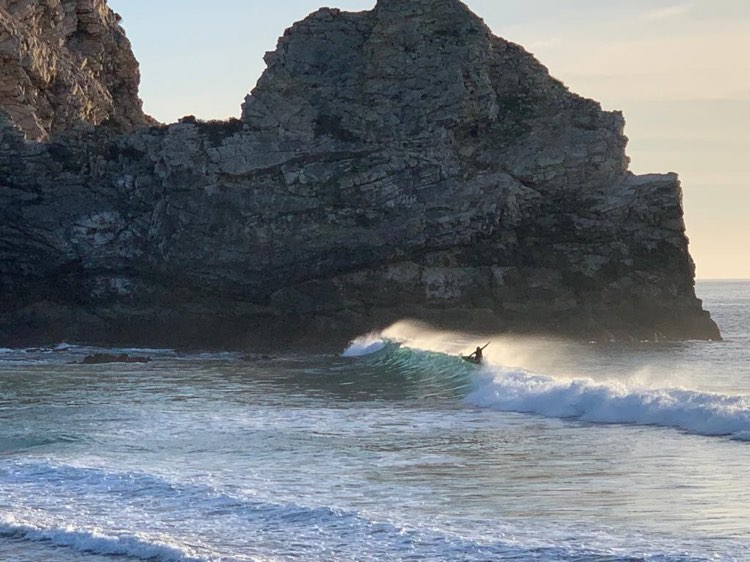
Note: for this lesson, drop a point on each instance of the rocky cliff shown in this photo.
(65, 64)
(400, 162)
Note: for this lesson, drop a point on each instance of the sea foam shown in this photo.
(613, 402)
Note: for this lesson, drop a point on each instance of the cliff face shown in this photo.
(66, 64)
(401, 162)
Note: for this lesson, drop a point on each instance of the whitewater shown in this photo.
(393, 449)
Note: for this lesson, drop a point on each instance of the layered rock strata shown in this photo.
(396, 163)
(66, 64)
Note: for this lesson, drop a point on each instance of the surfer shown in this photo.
(476, 356)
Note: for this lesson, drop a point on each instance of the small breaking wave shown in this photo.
(97, 542)
(263, 530)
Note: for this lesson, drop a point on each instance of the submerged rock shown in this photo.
(397, 163)
(102, 358)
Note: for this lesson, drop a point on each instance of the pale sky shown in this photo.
(678, 69)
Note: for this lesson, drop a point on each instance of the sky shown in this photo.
(679, 70)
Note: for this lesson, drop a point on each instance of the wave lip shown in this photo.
(365, 345)
(615, 403)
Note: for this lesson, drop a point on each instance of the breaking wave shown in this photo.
(612, 401)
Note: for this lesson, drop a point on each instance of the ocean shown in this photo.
(393, 449)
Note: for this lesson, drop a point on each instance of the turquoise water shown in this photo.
(397, 451)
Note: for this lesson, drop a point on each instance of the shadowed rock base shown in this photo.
(332, 332)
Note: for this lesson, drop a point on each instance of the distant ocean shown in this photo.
(395, 449)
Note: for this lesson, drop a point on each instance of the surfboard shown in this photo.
(473, 360)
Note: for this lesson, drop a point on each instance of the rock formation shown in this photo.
(400, 162)
(65, 64)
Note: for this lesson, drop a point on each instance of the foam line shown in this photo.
(131, 546)
(614, 403)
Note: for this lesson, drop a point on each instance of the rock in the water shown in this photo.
(103, 358)
(396, 163)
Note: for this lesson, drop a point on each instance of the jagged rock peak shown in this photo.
(430, 23)
(66, 64)
(430, 71)
(436, 7)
